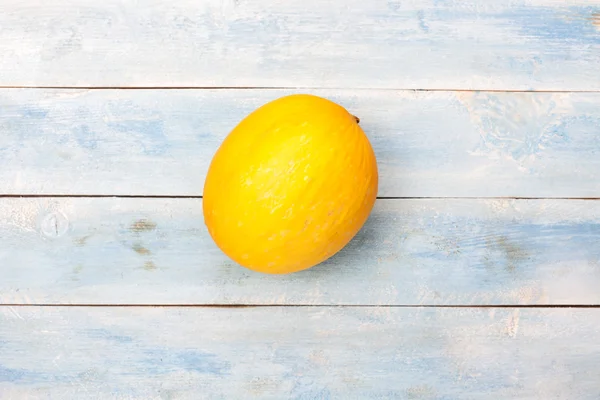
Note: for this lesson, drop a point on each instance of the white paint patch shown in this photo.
(512, 324)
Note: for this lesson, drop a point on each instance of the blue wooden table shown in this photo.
(476, 277)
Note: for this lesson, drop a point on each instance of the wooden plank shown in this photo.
(426, 44)
(157, 251)
(299, 353)
(428, 144)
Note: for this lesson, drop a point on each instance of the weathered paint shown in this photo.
(157, 251)
(411, 252)
(428, 144)
(298, 353)
(436, 44)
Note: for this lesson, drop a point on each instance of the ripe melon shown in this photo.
(291, 185)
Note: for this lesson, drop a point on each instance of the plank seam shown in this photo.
(305, 305)
(322, 88)
(135, 196)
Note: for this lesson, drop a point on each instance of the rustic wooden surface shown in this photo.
(299, 353)
(475, 278)
(416, 44)
(434, 144)
(411, 252)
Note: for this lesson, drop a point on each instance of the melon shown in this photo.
(290, 185)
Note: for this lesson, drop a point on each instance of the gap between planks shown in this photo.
(136, 196)
(397, 89)
(303, 305)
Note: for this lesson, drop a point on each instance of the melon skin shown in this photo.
(290, 185)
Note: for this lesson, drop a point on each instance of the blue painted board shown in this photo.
(410, 252)
(298, 353)
(428, 144)
(427, 44)
(451, 142)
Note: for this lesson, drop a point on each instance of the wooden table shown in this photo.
(476, 277)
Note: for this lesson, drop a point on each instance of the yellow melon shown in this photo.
(290, 185)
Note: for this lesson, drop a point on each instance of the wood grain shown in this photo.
(157, 251)
(298, 353)
(431, 44)
(452, 142)
(428, 144)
